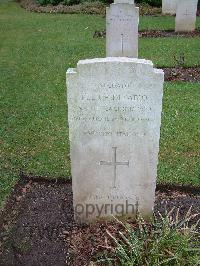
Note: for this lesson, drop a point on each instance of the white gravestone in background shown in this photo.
(124, 1)
(114, 114)
(186, 15)
(169, 7)
(122, 19)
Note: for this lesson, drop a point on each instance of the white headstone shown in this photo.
(124, 1)
(186, 15)
(122, 21)
(169, 7)
(114, 114)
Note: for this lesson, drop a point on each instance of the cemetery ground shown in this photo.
(36, 50)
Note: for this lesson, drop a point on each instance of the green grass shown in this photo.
(165, 50)
(167, 240)
(36, 50)
(179, 160)
(160, 23)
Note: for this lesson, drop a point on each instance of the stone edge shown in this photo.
(113, 60)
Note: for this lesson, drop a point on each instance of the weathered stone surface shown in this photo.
(122, 21)
(169, 7)
(186, 15)
(124, 1)
(114, 114)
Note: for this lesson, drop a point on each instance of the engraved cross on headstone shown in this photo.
(114, 163)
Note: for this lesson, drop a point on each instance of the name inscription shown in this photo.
(99, 108)
(113, 97)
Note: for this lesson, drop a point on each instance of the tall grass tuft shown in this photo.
(167, 240)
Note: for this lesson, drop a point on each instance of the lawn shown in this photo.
(37, 49)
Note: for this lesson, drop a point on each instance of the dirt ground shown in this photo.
(167, 33)
(37, 226)
(34, 224)
(155, 34)
(191, 74)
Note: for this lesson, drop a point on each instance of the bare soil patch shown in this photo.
(35, 222)
(37, 226)
(167, 33)
(191, 74)
(155, 34)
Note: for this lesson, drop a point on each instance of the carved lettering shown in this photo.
(114, 97)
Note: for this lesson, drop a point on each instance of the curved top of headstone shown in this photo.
(115, 59)
(143, 66)
(123, 1)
